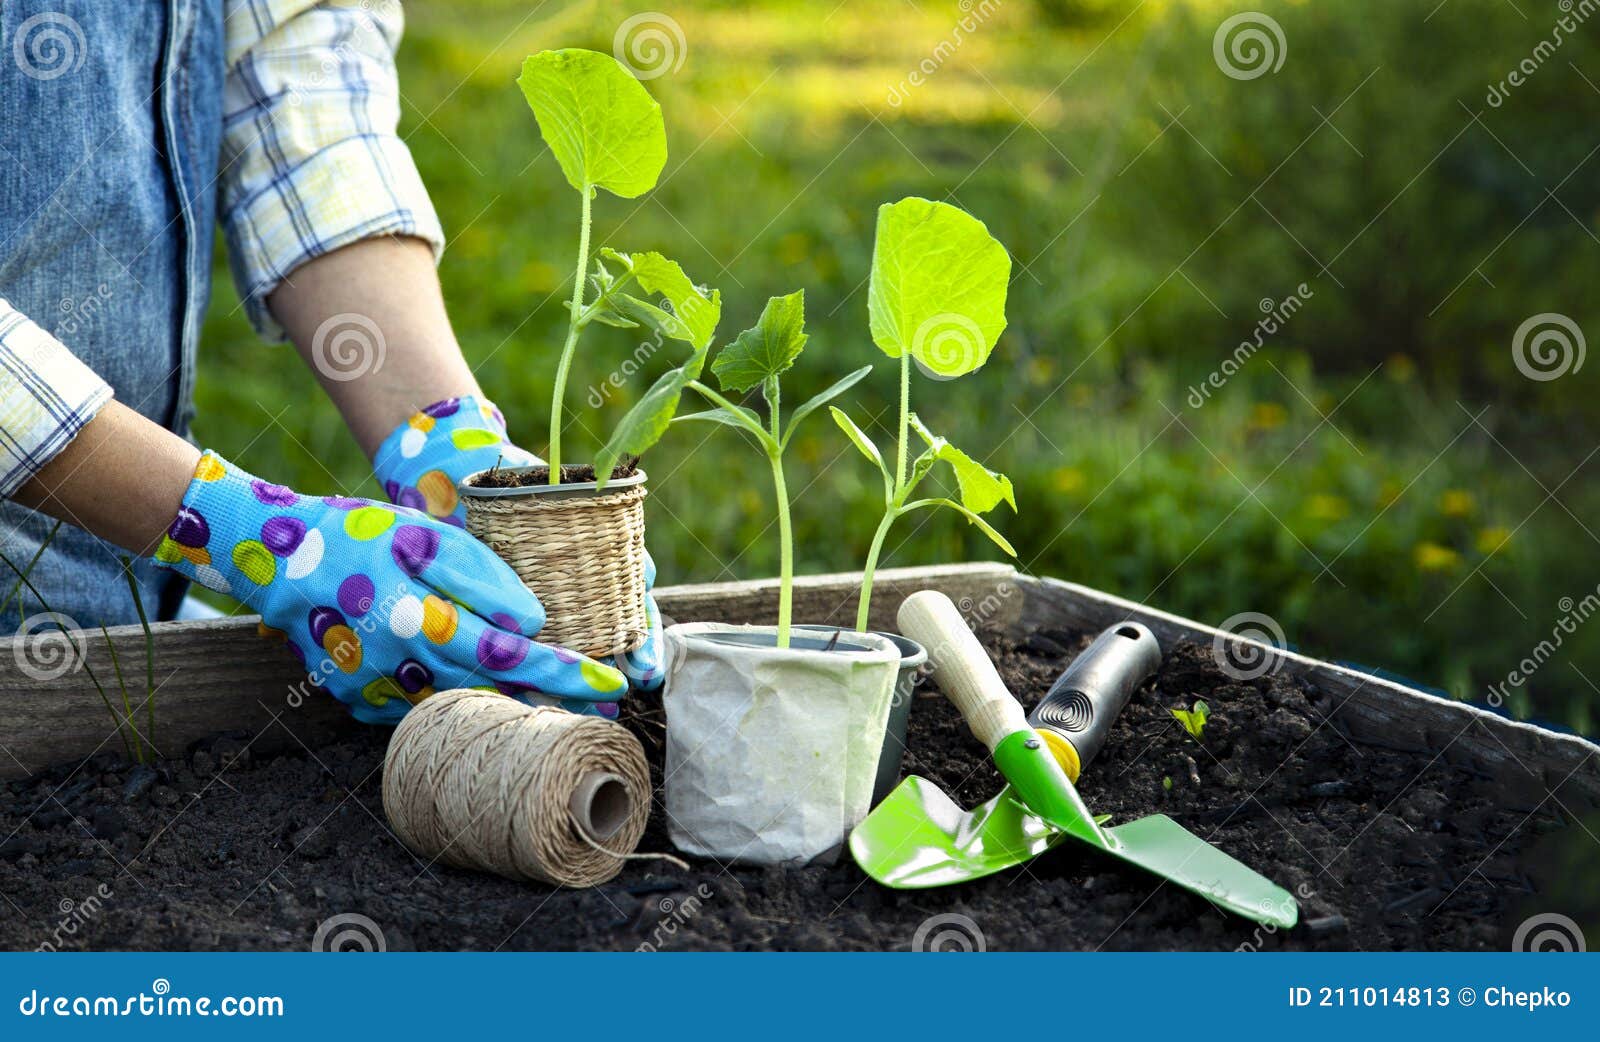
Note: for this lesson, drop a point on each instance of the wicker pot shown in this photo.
(581, 552)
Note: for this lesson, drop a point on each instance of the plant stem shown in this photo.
(149, 657)
(905, 412)
(865, 604)
(785, 550)
(574, 327)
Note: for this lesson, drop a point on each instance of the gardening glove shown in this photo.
(422, 461)
(384, 605)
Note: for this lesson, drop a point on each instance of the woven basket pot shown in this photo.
(579, 550)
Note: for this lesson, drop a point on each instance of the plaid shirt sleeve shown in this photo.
(46, 397)
(311, 160)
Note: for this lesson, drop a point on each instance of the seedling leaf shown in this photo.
(644, 424)
(1194, 720)
(600, 123)
(983, 526)
(691, 316)
(938, 286)
(766, 349)
(982, 489)
(862, 441)
(744, 418)
(822, 398)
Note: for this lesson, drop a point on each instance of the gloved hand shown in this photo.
(384, 605)
(424, 459)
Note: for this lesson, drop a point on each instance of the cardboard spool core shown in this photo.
(600, 805)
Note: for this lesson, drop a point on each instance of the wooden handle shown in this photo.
(962, 667)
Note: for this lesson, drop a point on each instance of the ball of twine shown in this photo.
(482, 781)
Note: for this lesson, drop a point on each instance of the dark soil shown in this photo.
(231, 848)
(497, 478)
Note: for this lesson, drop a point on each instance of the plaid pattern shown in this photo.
(46, 397)
(311, 160)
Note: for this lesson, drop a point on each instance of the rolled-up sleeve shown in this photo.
(46, 397)
(311, 159)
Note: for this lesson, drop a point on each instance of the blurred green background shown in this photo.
(1379, 478)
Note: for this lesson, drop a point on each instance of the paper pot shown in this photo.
(772, 752)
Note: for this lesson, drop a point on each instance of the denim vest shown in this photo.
(110, 122)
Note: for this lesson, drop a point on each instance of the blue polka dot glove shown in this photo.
(383, 604)
(424, 459)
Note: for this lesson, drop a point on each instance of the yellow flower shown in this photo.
(1266, 416)
(1492, 539)
(1457, 502)
(1431, 557)
(1067, 479)
(1324, 506)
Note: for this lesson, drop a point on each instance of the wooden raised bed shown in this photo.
(220, 675)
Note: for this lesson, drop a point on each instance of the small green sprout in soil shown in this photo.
(937, 296)
(757, 358)
(1166, 783)
(1194, 720)
(607, 132)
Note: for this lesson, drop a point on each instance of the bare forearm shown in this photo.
(122, 478)
(331, 307)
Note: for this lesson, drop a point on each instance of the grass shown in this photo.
(1377, 478)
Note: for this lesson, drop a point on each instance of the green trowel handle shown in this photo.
(1075, 717)
(962, 667)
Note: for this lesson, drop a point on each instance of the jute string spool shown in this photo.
(482, 781)
(583, 558)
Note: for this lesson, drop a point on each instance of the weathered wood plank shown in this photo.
(220, 675)
(1364, 707)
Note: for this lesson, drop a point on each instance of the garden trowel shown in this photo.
(917, 837)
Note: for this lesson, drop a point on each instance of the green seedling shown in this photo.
(606, 132)
(1194, 720)
(757, 358)
(937, 297)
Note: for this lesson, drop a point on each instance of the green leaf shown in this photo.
(644, 424)
(938, 287)
(860, 439)
(691, 315)
(767, 348)
(822, 398)
(1194, 720)
(983, 526)
(600, 123)
(744, 419)
(982, 489)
